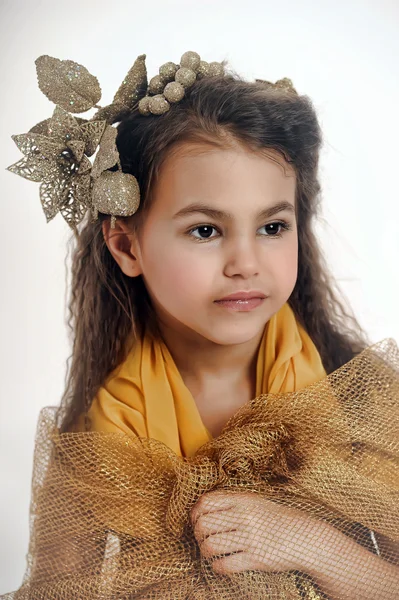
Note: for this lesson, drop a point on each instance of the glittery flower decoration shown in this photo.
(57, 149)
(58, 159)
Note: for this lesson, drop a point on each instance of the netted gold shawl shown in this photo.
(110, 511)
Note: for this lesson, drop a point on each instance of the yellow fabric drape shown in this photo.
(147, 395)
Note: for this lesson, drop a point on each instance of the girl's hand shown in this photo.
(265, 535)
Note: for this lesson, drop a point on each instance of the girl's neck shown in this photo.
(204, 366)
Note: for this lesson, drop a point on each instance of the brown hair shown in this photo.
(107, 308)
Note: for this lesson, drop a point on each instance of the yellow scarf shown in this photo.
(147, 395)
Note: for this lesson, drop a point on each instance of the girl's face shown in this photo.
(191, 259)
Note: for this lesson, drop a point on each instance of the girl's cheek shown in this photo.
(190, 276)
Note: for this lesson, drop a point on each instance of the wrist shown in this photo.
(325, 544)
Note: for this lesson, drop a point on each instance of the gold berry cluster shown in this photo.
(169, 86)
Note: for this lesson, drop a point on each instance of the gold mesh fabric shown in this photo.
(313, 475)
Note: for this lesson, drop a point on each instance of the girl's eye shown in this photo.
(272, 233)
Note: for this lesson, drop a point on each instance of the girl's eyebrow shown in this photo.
(198, 207)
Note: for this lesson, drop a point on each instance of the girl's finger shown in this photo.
(222, 543)
(235, 563)
(216, 522)
(212, 502)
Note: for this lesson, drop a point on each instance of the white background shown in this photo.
(345, 56)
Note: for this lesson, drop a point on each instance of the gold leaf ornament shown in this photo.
(107, 155)
(134, 84)
(67, 83)
(133, 87)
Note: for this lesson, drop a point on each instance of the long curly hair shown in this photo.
(106, 308)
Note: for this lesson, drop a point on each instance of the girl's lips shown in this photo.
(240, 305)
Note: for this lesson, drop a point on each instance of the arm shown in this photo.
(387, 548)
(334, 564)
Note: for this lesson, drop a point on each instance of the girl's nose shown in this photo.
(242, 258)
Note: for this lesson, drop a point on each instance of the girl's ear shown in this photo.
(123, 245)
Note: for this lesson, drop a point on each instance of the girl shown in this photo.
(212, 293)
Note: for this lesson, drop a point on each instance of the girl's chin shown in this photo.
(231, 336)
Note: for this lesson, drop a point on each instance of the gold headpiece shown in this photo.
(57, 149)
